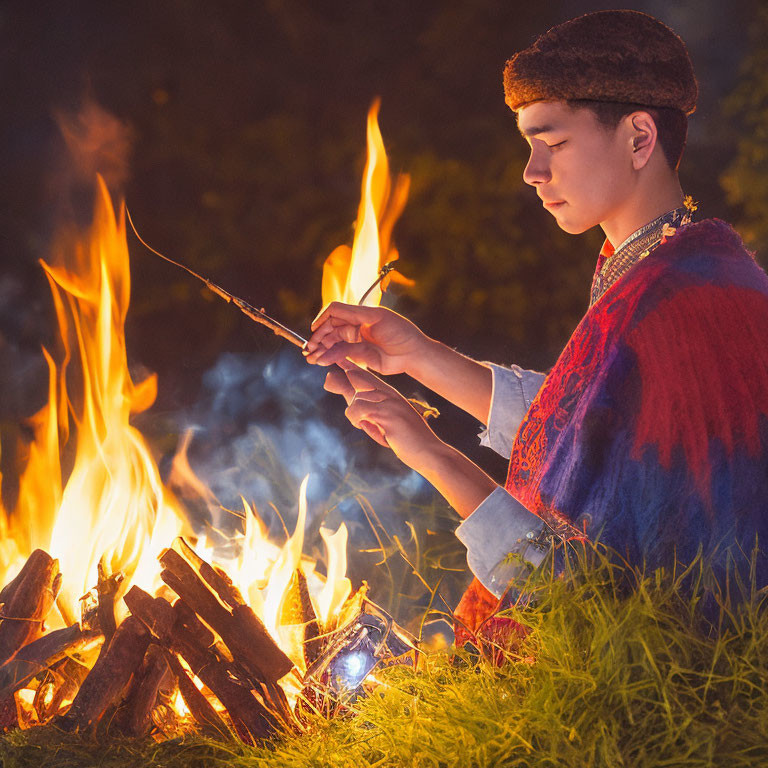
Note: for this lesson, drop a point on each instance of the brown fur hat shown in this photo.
(617, 56)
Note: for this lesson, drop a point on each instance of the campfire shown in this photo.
(115, 612)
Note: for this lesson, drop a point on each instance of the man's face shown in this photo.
(581, 170)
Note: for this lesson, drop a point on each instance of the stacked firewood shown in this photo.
(197, 637)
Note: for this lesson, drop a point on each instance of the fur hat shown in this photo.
(616, 56)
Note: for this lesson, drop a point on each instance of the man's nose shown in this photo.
(537, 170)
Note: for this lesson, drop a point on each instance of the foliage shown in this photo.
(610, 676)
(746, 179)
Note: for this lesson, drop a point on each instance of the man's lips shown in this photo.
(553, 204)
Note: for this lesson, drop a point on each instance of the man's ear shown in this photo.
(643, 136)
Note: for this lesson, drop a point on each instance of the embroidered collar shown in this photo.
(614, 264)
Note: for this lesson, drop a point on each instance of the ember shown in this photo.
(116, 626)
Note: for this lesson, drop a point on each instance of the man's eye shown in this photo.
(555, 146)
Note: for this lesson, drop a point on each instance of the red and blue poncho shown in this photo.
(651, 430)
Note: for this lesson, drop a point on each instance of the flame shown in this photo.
(337, 587)
(113, 496)
(349, 272)
(92, 496)
(113, 507)
(263, 572)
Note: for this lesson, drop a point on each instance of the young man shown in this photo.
(651, 431)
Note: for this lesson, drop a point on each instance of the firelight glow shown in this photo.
(112, 507)
(113, 497)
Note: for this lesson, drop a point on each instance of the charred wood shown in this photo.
(251, 719)
(109, 676)
(188, 619)
(133, 716)
(37, 656)
(27, 601)
(220, 605)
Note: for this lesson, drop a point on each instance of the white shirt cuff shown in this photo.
(513, 391)
(498, 536)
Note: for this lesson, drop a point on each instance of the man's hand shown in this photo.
(392, 421)
(374, 337)
(384, 414)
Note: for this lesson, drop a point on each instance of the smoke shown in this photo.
(262, 424)
(93, 141)
(98, 143)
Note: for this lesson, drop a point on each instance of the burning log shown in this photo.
(298, 616)
(26, 602)
(41, 654)
(201, 709)
(182, 632)
(271, 693)
(68, 675)
(221, 606)
(133, 717)
(106, 589)
(195, 628)
(109, 676)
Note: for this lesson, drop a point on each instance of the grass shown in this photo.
(609, 676)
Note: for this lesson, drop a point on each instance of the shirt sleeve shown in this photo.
(499, 536)
(513, 391)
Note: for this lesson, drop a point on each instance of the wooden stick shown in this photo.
(44, 652)
(106, 589)
(263, 668)
(217, 675)
(109, 676)
(133, 715)
(202, 710)
(251, 719)
(188, 619)
(218, 605)
(39, 558)
(28, 603)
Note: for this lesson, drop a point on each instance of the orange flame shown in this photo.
(349, 272)
(113, 495)
(109, 506)
(113, 507)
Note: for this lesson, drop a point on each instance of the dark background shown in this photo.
(236, 132)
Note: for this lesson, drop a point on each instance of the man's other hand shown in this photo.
(384, 414)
